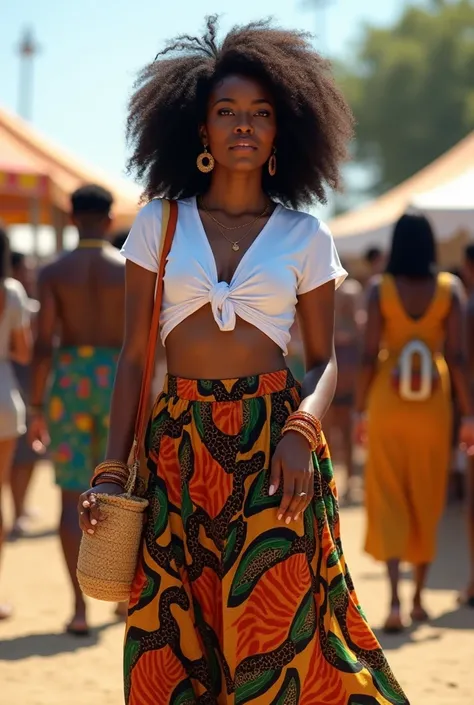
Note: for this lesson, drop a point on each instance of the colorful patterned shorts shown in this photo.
(79, 412)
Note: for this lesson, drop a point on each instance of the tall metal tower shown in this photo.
(27, 50)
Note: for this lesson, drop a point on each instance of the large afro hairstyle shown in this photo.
(314, 122)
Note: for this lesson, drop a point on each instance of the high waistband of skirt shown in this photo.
(238, 389)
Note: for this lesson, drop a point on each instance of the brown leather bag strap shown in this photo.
(168, 227)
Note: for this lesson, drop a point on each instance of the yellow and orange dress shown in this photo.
(408, 440)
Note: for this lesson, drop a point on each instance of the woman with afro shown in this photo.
(242, 594)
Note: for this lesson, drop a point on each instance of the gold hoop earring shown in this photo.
(272, 163)
(205, 161)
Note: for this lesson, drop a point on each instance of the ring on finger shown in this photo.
(302, 494)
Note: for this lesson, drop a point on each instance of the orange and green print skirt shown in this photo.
(229, 605)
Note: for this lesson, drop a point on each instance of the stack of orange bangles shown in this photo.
(307, 425)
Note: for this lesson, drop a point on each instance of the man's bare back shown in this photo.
(87, 287)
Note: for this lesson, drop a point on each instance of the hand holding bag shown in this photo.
(108, 558)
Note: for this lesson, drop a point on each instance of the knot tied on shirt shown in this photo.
(222, 306)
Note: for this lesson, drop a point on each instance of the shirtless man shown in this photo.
(338, 421)
(79, 336)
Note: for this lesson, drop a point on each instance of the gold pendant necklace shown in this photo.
(235, 244)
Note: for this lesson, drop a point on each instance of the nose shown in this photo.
(243, 126)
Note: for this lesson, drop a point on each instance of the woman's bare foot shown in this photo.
(419, 614)
(6, 611)
(78, 625)
(394, 623)
(121, 611)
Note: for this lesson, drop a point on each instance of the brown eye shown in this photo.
(225, 111)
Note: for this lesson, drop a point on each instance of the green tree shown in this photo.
(411, 87)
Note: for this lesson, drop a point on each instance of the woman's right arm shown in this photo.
(139, 299)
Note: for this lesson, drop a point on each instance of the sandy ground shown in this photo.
(39, 665)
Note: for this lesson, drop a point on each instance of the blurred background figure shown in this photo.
(15, 346)
(118, 240)
(467, 597)
(25, 456)
(404, 385)
(80, 329)
(375, 261)
(338, 421)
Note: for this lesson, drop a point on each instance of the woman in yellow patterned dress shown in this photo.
(413, 351)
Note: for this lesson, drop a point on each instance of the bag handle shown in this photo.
(168, 227)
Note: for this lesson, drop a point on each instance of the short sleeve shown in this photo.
(321, 262)
(143, 242)
(19, 309)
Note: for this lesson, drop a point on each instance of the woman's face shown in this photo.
(240, 127)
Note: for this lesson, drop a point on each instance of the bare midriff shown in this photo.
(198, 349)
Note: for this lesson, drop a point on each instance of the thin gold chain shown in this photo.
(234, 227)
(235, 243)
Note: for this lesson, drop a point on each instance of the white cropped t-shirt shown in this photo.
(293, 254)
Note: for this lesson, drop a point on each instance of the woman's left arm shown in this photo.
(292, 461)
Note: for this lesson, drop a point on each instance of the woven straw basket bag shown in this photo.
(108, 558)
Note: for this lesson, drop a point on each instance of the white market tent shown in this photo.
(444, 190)
(450, 207)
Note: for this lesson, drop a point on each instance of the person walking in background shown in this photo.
(80, 331)
(25, 456)
(404, 406)
(349, 315)
(242, 593)
(467, 596)
(375, 261)
(15, 346)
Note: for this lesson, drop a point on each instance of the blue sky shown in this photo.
(92, 49)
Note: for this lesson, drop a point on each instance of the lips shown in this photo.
(244, 146)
